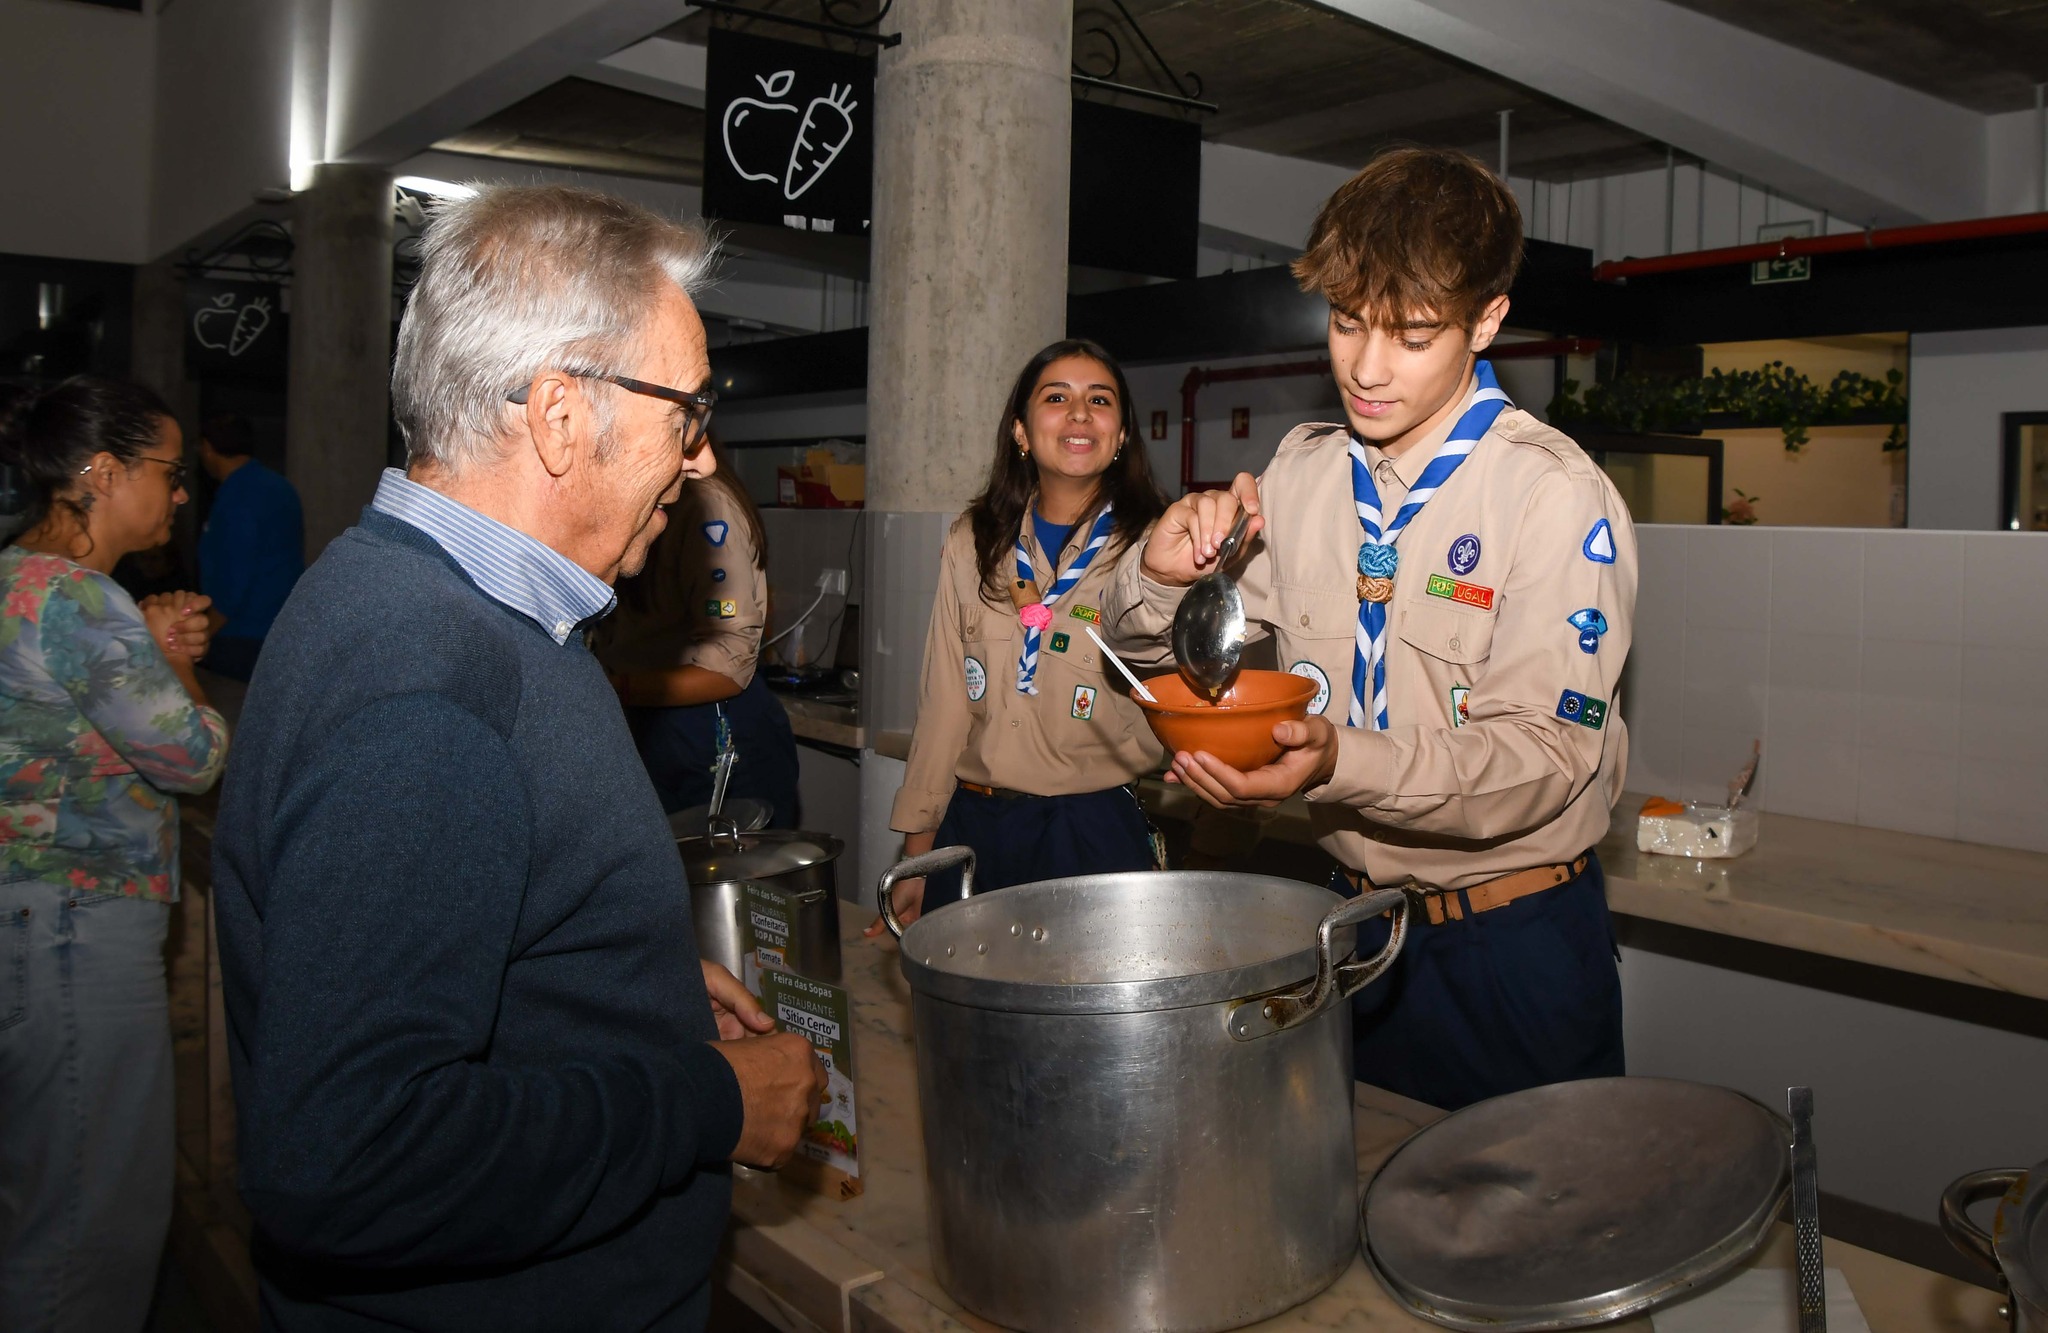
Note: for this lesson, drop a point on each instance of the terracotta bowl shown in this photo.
(1238, 729)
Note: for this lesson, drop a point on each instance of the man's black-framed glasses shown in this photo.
(696, 423)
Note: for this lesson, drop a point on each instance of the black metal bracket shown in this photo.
(808, 25)
(214, 261)
(1182, 90)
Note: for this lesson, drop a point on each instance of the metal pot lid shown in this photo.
(762, 854)
(1135, 942)
(2020, 1237)
(744, 811)
(1575, 1204)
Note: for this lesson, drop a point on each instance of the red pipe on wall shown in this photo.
(1198, 376)
(2018, 224)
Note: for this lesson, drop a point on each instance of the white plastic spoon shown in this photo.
(1110, 653)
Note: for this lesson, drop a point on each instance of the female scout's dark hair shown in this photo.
(1420, 232)
(48, 436)
(997, 514)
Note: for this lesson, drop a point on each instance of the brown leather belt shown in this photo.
(1453, 904)
(982, 789)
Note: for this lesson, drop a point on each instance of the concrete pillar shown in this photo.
(338, 394)
(968, 263)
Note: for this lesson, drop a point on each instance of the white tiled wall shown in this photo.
(1898, 679)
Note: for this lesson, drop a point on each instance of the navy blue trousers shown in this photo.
(678, 745)
(1023, 839)
(1526, 994)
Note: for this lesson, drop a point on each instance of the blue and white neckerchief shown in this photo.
(1377, 558)
(1098, 537)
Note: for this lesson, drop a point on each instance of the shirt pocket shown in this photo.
(1315, 613)
(984, 661)
(1447, 631)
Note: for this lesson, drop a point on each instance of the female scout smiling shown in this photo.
(1025, 744)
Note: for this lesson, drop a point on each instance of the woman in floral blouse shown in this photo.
(101, 721)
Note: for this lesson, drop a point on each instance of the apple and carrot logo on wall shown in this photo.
(224, 327)
(755, 131)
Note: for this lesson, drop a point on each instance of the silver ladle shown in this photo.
(1208, 629)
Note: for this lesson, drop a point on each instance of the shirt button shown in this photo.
(1454, 645)
(1304, 622)
(562, 628)
(974, 630)
(1013, 722)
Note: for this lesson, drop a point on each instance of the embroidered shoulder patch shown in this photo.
(1599, 546)
(1084, 702)
(715, 530)
(721, 608)
(1583, 709)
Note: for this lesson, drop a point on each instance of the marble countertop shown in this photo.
(815, 720)
(1960, 911)
(811, 1262)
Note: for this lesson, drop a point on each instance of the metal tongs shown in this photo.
(721, 775)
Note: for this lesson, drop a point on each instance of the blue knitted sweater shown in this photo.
(468, 1030)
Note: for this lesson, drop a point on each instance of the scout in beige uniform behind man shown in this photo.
(1459, 580)
(684, 649)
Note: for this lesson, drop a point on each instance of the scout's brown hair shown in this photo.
(1419, 233)
(996, 516)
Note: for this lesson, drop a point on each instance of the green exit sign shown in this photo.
(1796, 269)
(1782, 269)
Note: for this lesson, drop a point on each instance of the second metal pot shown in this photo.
(800, 865)
(1137, 1094)
(2016, 1247)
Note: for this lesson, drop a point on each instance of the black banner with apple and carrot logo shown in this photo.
(788, 134)
(234, 330)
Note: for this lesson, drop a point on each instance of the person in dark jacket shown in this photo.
(253, 548)
(481, 1079)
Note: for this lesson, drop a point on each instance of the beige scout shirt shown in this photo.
(1481, 772)
(1079, 733)
(702, 600)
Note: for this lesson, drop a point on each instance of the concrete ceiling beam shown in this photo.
(403, 75)
(1833, 137)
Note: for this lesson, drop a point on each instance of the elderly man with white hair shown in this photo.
(482, 1080)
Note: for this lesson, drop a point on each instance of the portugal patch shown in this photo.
(1583, 709)
(1310, 671)
(1084, 702)
(1457, 590)
(1087, 613)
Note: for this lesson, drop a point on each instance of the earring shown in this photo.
(1023, 449)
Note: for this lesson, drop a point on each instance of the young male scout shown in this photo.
(1459, 580)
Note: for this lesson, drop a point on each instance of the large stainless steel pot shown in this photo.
(1137, 1093)
(799, 864)
(2016, 1247)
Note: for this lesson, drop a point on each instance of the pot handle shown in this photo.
(917, 867)
(1963, 1233)
(718, 826)
(1334, 981)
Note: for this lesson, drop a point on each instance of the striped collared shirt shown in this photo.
(535, 580)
